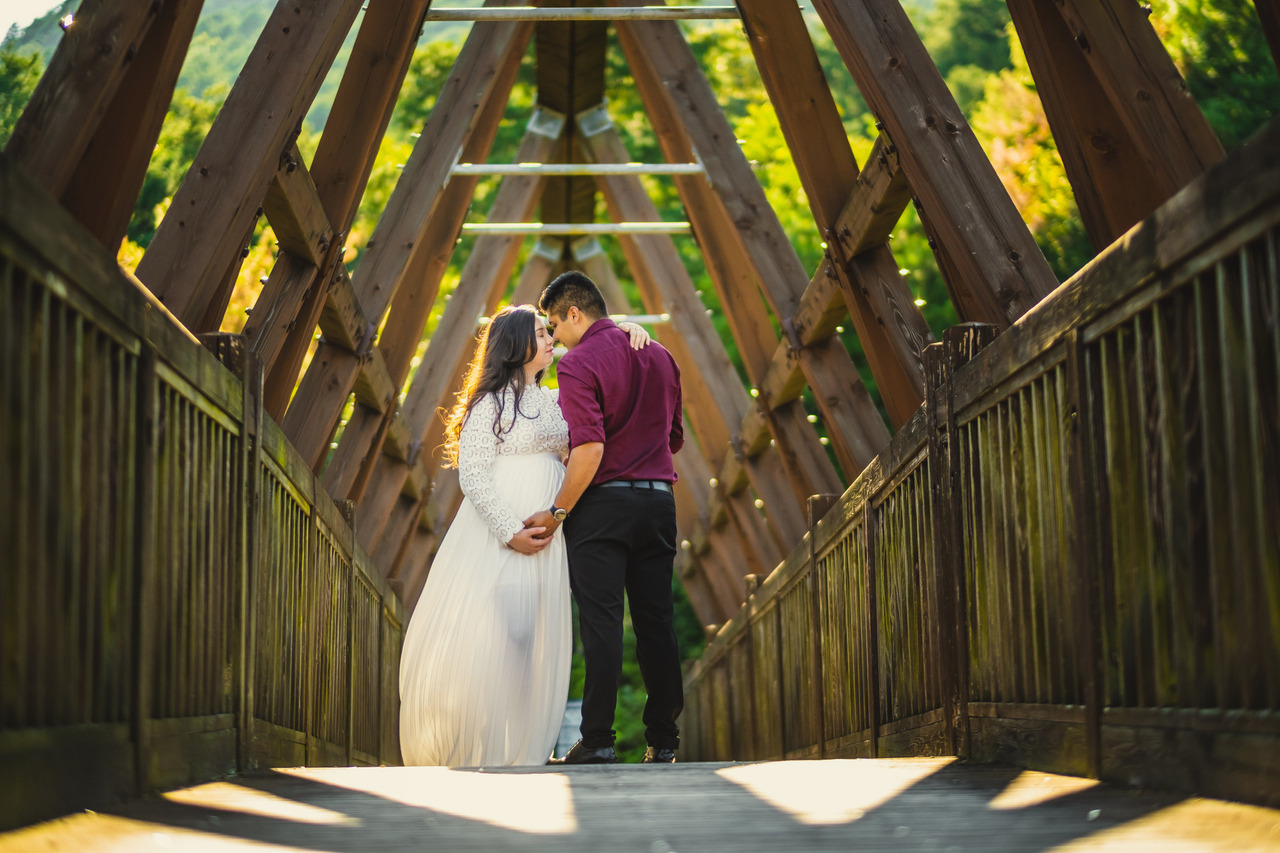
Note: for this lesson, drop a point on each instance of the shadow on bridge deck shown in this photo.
(886, 804)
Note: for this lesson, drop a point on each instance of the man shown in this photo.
(624, 412)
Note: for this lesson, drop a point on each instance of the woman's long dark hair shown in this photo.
(505, 345)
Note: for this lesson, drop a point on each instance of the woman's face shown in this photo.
(543, 343)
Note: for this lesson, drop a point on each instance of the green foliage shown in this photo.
(19, 74)
(1220, 49)
(967, 32)
(184, 129)
(41, 35)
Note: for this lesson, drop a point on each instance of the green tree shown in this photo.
(184, 129)
(1220, 49)
(19, 74)
(967, 32)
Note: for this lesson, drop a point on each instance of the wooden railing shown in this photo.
(1069, 559)
(179, 597)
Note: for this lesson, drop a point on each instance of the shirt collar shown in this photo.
(596, 327)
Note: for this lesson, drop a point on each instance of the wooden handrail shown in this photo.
(1067, 558)
(182, 599)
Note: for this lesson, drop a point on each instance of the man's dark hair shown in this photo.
(569, 289)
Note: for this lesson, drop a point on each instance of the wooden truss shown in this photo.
(1129, 134)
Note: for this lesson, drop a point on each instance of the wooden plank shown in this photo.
(891, 328)
(1000, 272)
(293, 208)
(238, 158)
(103, 190)
(76, 89)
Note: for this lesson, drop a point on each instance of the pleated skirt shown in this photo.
(484, 671)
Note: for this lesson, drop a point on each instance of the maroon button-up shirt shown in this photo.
(628, 399)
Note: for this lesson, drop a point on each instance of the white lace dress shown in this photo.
(484, 672)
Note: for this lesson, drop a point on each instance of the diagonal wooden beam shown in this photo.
(468, 111)
(1128, 131)
(76, 90)
(241, 154)
(625, 197)
(483, 282)
(998, 270)
(663, 65)
(103, 190)
(890, 326)
(718, 395)
(294, 297)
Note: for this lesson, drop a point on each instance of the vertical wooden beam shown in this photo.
(999, 271)
(476, 90)
(220, 194)
(103, 190)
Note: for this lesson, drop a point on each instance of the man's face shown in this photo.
(565, 328)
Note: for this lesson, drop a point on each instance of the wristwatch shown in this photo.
(559, 513)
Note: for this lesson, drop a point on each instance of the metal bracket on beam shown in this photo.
(584, 248)
(546, 122)
(594, 120)
(552, 250)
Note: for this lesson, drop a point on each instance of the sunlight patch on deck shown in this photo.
(537, 803)
(832, 792)
(1032, 788)
(232, 797)
(1191, 825)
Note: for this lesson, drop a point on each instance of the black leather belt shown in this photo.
(656, 485)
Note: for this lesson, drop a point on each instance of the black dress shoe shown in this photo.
(579, 754)
(655, 755)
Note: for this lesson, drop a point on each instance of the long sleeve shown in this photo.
(477, 450)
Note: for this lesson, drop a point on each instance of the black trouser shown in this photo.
(625, 539)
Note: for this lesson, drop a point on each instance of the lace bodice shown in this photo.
(538, 427)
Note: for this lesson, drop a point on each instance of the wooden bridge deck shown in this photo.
(853, 804)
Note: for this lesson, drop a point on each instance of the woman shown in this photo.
(484, 672)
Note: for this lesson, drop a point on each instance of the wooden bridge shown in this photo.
(1056, 552)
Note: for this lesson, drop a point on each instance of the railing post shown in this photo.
(960, 344)
(870, 525)
(249, 576)
(233, 353)
(347, 509)
(147, 437)
(1082, 425)
(817, 507)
